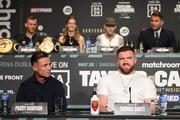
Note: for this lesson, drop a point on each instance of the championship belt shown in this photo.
(46, 45)
(5, 45)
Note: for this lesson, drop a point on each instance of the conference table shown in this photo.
(79, 72)
(85, 115)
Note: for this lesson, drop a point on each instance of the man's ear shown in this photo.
(25, 24)
(34, 67)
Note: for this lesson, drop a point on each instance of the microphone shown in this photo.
(130, 95)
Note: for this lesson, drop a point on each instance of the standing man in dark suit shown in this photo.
(156, 36)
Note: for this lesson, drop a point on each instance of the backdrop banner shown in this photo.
(131, 17)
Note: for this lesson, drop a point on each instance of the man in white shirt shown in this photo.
(114, 87)
(109, 38)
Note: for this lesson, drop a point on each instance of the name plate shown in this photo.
(27, 50)
(132, 109)
(30, 108)
(69, 48)
(162, 50)
(108, 49)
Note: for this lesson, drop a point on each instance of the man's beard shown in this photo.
(126, 71)
(32, 31)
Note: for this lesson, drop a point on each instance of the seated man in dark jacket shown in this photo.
(156, 36)
(41, 86)
(30, 35)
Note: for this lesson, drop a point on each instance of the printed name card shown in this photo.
(106, 49)
(31, 108)
(69, 48)
(27, 50)
(132, 109)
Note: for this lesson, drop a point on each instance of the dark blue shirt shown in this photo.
(33, 91)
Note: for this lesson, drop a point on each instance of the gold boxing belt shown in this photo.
(46, 45)
(5, 45)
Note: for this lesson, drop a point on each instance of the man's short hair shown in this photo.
(157, 14)
(124, 48)
(37, 55)
(31, 18)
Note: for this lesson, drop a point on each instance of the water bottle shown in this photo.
(88, 45)
(163, 102)
(97, 45)
(141, 48)
(94, 102)
(5, 102)
(30, 44)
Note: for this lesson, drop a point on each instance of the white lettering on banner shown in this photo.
(1, 77)
(174, 78)
(124, 9)
(84, 77)
(11, 92)
(59, 64)
(5, 20)
(159, 81)
(6, 64)
(160, 65)
(162, 79)
(173, 98)
(94, 77)
(41, 10)
(13, 77)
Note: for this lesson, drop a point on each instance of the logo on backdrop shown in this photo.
(40, 30)
(5, 17)
(124, 9)
(152, 6)
(96, 9)
(124, 31)
(67, 10)
(64, 77)
(177, 8)
(41, 10)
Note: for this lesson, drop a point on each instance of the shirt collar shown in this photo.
(158, 31)
(36, 81)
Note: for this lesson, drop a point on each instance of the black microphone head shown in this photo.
(130, 95)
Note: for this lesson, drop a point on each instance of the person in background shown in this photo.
(30, 34)
(71, 35)
(115, 86)
(41, 86)
(109, 38)
(156, 36)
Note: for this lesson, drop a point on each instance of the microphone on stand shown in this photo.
(130, 95)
